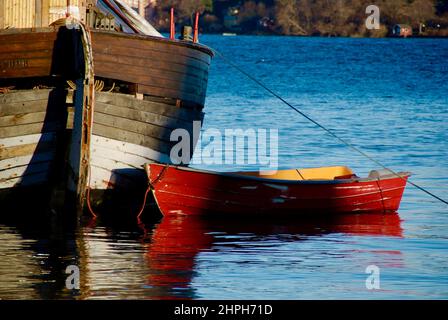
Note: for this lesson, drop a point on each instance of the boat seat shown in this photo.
(324, 173)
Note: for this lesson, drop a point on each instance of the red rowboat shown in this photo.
(183, 190)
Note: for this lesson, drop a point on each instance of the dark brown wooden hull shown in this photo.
(159, 67)
(156, 66)
(164, 89)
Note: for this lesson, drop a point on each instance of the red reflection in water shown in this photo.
(177, 240)
(370, 225)
(171, 253)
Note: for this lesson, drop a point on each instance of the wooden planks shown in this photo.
(26, 159)
(26, 118)
(28, 139)
(31, 112)
(117, 164)
(162, 45)
(133, 154)
(40, 178)
(140, 122)
(30, 121)
(131, 137)
(162, 64)
(18, 14)
(27, 54)
(34, 13)
(19, 108)
(23, 171)
(2, 15)
(27, 149)
(160, 67)
(147, 129)
(164, 109)
(24, 96)
(142, 116)
(185, 83)
(45, 13)
(31, 128)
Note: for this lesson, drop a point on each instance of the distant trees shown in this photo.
(308, 17)
(442, 6)
(347, 17)
(184, 11)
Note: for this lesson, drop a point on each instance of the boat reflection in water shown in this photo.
(164, 260)
(173, 245)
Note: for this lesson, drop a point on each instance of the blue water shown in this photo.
(386, 96)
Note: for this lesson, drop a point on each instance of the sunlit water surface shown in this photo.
(386, 96)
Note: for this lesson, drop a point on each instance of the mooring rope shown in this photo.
(348, 144)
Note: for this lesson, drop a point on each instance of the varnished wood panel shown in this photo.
(103, 49)
(159, 67)
(180, 82)
(161, 64)
(162, 45)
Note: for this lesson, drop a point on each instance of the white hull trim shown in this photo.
(120, 164)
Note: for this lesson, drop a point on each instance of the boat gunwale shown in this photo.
(175, 42)
(400, 175)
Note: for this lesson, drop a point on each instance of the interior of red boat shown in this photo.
(323, 173)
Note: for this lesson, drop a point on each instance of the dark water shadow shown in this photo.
(124, 195)
(43, 245)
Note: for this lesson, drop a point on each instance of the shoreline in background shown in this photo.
(423, 18)
(234, 34)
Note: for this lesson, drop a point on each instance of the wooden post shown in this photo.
(45, 16)
(67, 13)
(196, 27)
(83, 100)
(172, 26)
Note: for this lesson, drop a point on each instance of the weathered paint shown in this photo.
(109, 157)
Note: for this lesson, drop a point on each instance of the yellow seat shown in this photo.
(324, 173)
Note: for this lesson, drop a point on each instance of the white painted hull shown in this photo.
(119, 147)
(119, 164)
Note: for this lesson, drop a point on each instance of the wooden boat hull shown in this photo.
(156, 86)
(180, 190)
(155, 66)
